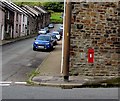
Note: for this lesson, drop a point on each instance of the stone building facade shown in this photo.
(97, 26)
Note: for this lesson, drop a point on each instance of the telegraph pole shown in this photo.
(67, 30)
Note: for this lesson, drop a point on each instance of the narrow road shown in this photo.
(18, 60)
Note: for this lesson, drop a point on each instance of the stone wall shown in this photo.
(97, 26)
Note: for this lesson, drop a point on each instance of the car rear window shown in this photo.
(43, 38)
(42, 29)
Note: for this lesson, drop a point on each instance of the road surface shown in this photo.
(28, 92)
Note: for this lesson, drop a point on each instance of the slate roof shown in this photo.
(40, 9)
(10, 6)
(32, 10)
(28, 11)
(1, 5)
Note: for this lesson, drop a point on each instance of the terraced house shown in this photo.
(95, 39)
(18, 21)
(14, 21)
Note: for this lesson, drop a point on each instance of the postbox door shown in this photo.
(90, 56)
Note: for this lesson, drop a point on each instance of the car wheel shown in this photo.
(56, 43)
(51, 48)
(34, 48)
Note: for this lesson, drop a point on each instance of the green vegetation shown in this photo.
(28, 3)
(31, 75)
(56, 17)
(54, 6)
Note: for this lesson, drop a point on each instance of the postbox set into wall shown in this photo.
(90, 55)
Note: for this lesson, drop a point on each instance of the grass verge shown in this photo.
(56, 17)
(31, 75)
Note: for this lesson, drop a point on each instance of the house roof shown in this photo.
(32, 10)
(10, 6)
(5, 5)
(40, 9)
(1, 5)
(23, 11)
(14, 7)
(28, 11)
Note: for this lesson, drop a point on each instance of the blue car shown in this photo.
(43, 42)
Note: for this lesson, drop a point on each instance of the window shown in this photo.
(7, 28)
(28, 22)
(8, 14)
(17, 17)
(23, 28)
(16, 28)
(23, 18)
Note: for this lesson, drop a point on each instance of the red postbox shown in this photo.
(90, 55)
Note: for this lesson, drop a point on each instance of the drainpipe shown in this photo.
(67, 30)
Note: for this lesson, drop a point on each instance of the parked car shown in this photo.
(53, 37)
(60, 31)
(57, 34)
(61, 27)
(42, 31)
(50, 26)
(46, 29)
(43, 42)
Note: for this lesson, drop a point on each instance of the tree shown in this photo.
(55, 6)
(28, 3)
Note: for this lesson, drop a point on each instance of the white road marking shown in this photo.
(20, 82)
(4, 84)
(8, 83)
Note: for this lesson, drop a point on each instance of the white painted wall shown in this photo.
(2, 19)
(21, 32)
(14, 24)
(23, 25)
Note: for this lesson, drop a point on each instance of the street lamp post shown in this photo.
(67, 29)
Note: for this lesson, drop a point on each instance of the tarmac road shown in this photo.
(18, 60)
(28, 92)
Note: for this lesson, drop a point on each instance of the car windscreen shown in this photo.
(43, 38)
